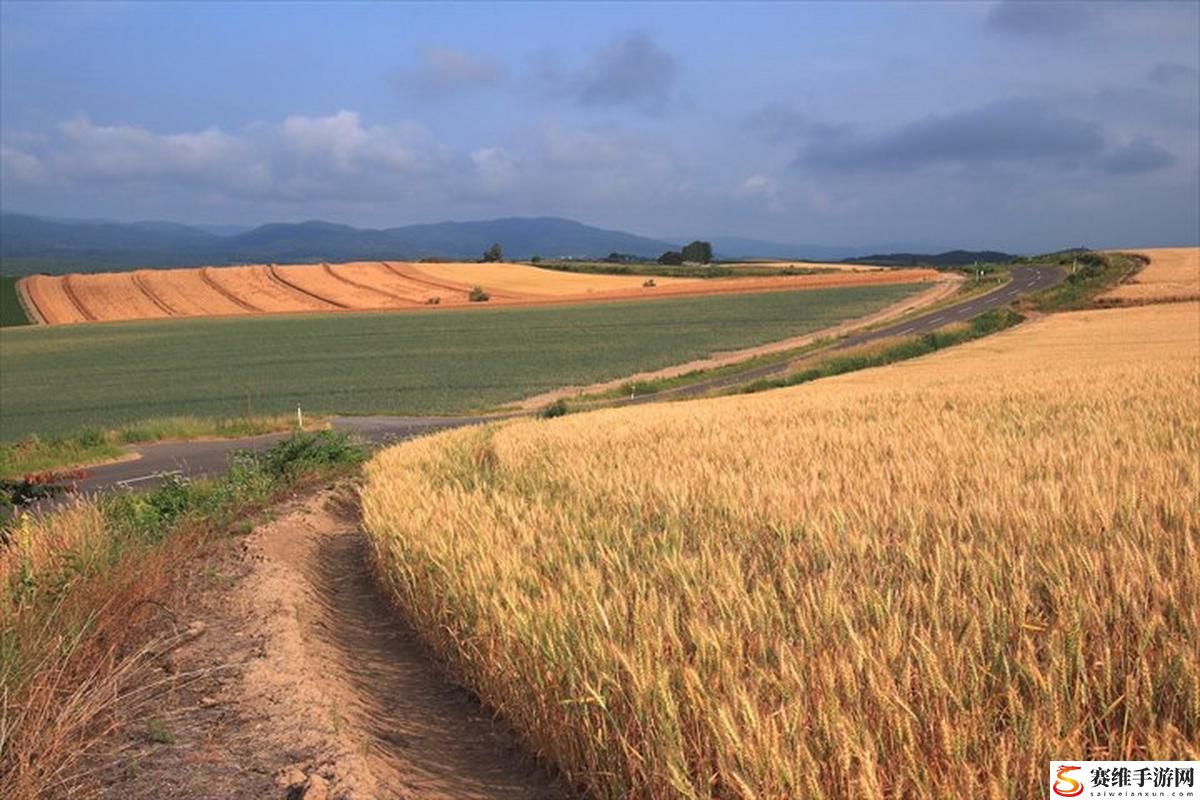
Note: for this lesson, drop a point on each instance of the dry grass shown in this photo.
(1172, 274)
(894, 583)
(71, 658)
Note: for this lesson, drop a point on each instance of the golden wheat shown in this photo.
(918, 581)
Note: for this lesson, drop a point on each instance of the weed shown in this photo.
(158, 732)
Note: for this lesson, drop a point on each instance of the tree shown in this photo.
(671, 257)
(493, 253)
(698, 252)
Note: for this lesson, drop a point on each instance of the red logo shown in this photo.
(1072, 788)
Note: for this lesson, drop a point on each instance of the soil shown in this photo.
(302, 682)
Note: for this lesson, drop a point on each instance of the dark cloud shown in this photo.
(1140, 155)
(1169, 73)
(631, 71)
(1032, 18)
(780, 122)
(443, 71)
(1012, 130)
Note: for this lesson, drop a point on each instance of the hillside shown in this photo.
(950, 258)
(31, 244)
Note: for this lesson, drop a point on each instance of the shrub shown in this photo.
(478, 295)
(556, 409)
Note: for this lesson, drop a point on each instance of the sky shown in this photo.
(1011, 125)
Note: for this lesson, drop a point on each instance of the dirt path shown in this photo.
(946, 286)
(302, 684)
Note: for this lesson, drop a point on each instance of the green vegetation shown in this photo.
(34, 454)
(640, 388)
(493, 253)
(76, 585)
(876, 355)
(11, 311)
(60, 379)
(1089, 274)
(658, 270)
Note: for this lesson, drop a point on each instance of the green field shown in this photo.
(55, 380)
(11, 312)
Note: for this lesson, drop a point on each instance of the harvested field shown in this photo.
(535, 282)
(113, 295)
(380, 286)
(186, 292)
(891, 584)
(49, 296)
(384, 277)
(1173, 274)
(257, 286)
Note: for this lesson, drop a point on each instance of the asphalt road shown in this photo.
(196, 459)
(208, 458)
(1024, 280)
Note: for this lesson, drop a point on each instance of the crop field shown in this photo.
(1173, 274)
(58, 379)
(383, 285)
(895, 583)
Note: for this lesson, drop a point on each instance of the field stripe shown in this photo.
(228, 295)
(30, 304)
(140, 283)
(331, 272)
(275, 276)
(423, 279)
(69, 291)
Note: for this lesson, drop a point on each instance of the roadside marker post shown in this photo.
(299, 418)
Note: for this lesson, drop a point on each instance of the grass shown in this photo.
(653, 270)
(79, 587)
(1090, 275)
(640, 388)
(879, 354)
(12, 313)
(36, 454)
(890, 583)
(57, 380)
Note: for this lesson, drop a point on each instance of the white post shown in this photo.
(299, 417)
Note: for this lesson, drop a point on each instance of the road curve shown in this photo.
(212, 457)
(1024, 280)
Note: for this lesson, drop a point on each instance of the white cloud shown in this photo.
(496, 168)
(341, 144)
(130, 152)
(21, 166)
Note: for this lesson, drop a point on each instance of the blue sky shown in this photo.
(1021, 126)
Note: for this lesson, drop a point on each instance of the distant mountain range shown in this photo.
(38, 244)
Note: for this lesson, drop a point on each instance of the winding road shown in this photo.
(212, 457)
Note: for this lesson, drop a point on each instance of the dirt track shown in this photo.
(302, 675)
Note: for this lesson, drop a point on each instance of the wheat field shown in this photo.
(1172, 274)
(896, 583)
